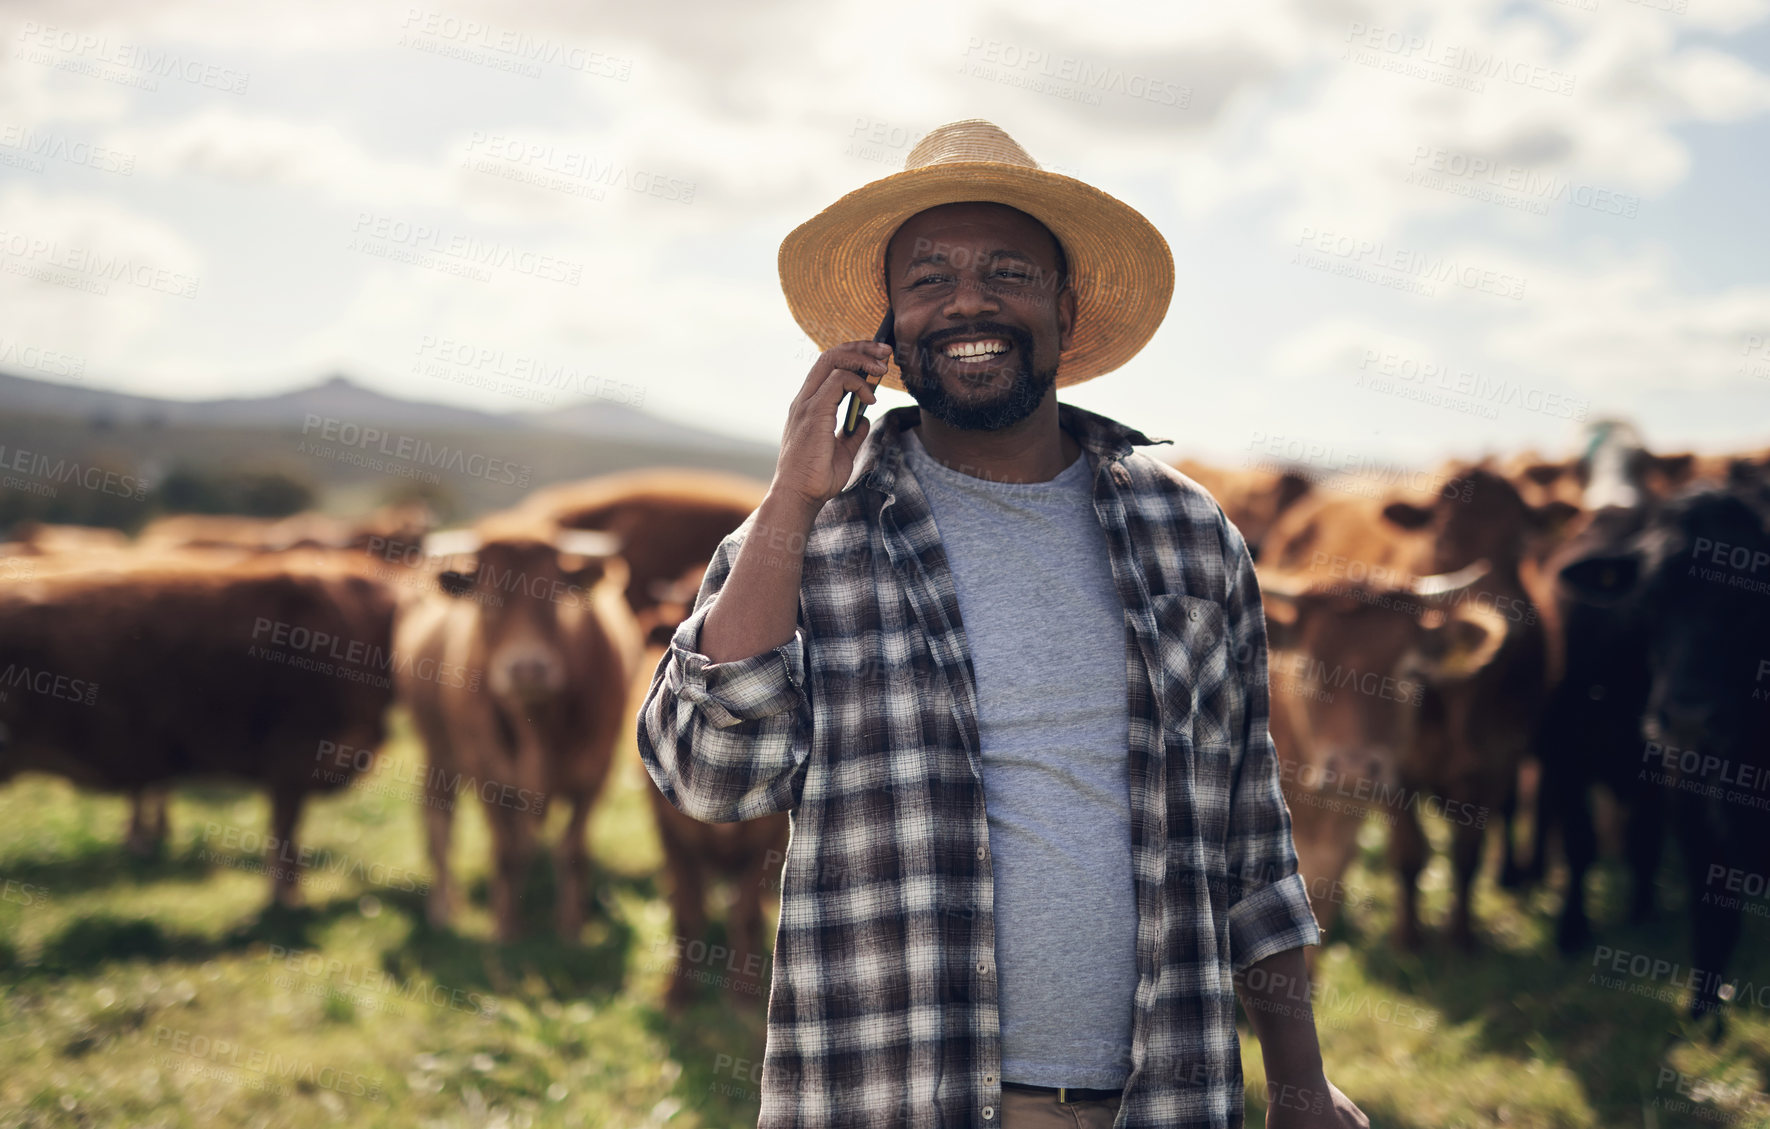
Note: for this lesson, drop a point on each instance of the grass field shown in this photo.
(163, 994)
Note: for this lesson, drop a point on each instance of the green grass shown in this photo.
(162, 993)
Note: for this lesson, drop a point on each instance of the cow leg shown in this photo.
(158, 799)
(1326, 842)
(1407, 853)
(439, 827)
(136, 841)
(1511, 875)
(688, 908)
(285, 813)
(147, 821)
(746, 913)
(1645, 837)
(571, 867)
(1714, 920)
(1552, 746)
(513, 852)
(1465, 853)
(1580, 843)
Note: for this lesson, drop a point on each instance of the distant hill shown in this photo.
(474, 460)
(339, 397)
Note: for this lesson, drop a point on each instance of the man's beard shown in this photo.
(1006, 409)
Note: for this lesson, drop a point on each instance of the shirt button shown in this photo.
(1193, 614)
(983, 852)
(989, 1079)
(983, 967)
(989, 1112)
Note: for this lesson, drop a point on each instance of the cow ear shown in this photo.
(1407, 515)
(1545, 474)
(1283, 614)
(584, 571)
(1552, 517)
(1460, 645)
(1674, 468)
(1291, 487)
(457, 583)
(589, 571)
(659, 628)
(1602, 580)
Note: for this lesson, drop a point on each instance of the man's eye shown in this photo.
(1013, 274)
(927, 278)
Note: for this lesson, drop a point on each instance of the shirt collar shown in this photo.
(880, 458)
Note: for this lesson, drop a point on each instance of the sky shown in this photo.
(1401, 230)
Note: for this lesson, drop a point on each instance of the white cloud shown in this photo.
(92, 278)
(773, 112)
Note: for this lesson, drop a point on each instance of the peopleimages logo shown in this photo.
(88, 268)
(1402, 263)
(48, 468)
(349, 436)
(85, 52)
(1081, 79)
(381, 235)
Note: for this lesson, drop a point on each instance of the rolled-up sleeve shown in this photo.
(726, 741)
(1268, 900)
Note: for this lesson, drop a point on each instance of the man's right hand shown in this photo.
(815, 461)
(813, 467)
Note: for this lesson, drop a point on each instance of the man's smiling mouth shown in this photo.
(976, 352)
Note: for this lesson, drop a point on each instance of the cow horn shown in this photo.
(587, 542)
(1283, 585)
(1466, 643)
(1449, 583)
(451, 543)
(671, 591)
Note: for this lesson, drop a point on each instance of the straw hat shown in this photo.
(833, 265)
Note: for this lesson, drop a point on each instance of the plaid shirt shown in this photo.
(864, 726)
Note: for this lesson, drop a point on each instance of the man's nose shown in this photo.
(970, 298)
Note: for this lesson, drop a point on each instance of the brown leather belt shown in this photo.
(1067, 1094)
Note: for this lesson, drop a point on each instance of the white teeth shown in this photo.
(976, 348)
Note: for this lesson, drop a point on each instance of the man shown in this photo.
(994, 597)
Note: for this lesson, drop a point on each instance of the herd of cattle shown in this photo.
(270, 651)
(1517, 633)
(1593, 624)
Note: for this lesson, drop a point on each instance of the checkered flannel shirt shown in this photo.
(883, 1009)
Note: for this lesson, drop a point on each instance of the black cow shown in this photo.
(1691, 589)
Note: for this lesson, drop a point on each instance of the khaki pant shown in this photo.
(1022, 1110)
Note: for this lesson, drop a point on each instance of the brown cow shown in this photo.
(134, 675)
(668, 521)
(530, 650)
(1472, 737)
(38, 538)
(747, 853)
(404, 522)
(1252, 499)
(1351, 663)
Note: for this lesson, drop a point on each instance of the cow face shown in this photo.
(1354, 664)
(528, 588)
(1696, 580)
(1479, 516)
(670, 602)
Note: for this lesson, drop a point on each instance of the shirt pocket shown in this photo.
(1197, 687)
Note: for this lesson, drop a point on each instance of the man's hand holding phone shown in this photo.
(815, 461)
(814, 465)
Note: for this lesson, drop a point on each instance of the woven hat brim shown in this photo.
(832, 266)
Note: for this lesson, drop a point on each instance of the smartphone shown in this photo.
(887, 335)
